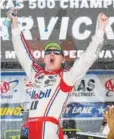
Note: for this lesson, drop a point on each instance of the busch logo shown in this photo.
(45, 94)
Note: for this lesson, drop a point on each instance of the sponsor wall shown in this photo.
(87, 102)
(89, 99)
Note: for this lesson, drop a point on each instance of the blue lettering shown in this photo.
(41, 95)
(6, 97)
(44, 94)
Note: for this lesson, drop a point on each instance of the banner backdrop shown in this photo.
(70, 23)
(15, 89)
(94, 88)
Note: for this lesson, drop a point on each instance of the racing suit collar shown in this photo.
(53, 72)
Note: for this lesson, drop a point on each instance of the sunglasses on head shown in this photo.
(55, 51)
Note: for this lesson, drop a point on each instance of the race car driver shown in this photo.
(52, 83)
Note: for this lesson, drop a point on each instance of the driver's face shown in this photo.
(53, 59)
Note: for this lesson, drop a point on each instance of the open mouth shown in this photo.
(51, 60)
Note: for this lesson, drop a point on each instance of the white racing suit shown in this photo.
(52, 88)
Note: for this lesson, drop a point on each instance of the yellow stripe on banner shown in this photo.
(12, 136)
(72, 129)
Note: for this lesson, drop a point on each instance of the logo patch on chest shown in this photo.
(49, 82)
